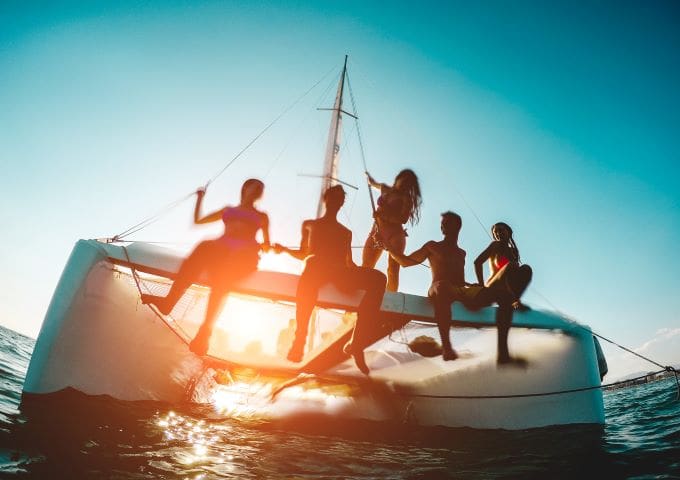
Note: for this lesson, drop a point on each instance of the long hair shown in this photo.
(511, 240)
(412, 190)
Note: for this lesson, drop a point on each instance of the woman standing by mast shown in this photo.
(397, 205)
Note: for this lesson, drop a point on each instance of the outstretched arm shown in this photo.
(375, 184)
(299, 253)
(415, 258)
(211, 217)
(479, 261)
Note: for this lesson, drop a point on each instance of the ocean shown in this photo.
(72, 436)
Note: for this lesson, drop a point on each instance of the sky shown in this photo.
(559, 118)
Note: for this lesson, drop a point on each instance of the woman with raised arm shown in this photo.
(397, 205)
(223, 260)
(503, 256)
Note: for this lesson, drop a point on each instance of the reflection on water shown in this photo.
(72, 435)
(81, 437)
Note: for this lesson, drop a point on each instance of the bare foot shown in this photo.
(199, 345)
(360, 362)
(295, 355)
(449, 355)
(158, 301)
(512, 361)
(519, 306)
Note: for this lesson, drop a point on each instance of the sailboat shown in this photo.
(98, 338)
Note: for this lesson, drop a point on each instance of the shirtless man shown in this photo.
(447, 261)
(326, 249)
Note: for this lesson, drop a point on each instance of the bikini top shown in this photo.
(241, 223)
(391, 206)
(502, 259)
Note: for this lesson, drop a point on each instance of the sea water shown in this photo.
(72, 435)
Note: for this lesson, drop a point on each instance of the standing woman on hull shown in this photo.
(397, 205)
(224, 260)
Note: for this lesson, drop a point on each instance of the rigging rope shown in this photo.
(155, 217)
(526, 395)
(149, 220)
(262, 132)
(183, 336)
(361, 143)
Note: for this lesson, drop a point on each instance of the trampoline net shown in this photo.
(250, 330)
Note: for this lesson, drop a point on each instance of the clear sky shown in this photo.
(561, 119)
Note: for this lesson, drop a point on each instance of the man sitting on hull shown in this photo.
(326, 249)
(447, 261)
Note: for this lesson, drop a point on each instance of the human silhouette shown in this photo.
(447, 262)
(326, 249)
(503, 254)
(397, 205)
(225, 260)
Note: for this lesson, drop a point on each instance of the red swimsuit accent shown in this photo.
(501, 262)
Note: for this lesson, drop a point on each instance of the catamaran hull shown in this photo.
(99, 339)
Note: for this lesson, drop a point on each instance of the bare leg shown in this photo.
(201, 342)
(370, 254)
(503, 322)
(398, 243)
(441, 300)
(373, 283)
(191, 268)
(518, 283)
(307, 291)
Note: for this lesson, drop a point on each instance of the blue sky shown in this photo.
(559, 119)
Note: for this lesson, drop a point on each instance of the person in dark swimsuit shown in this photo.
(503, 255)
(397, 205)
(224, 260)
(511, 277)
(447, 261)
(325, 248)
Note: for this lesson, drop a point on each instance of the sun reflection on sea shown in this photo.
(203, 442)
(208, 444)
(258, 400)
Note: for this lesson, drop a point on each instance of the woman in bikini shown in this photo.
(224, 260)
(505, 264)
(397, 205)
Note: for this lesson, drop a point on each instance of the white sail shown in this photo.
(330, 171)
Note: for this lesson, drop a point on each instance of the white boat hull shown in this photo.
(98, 338)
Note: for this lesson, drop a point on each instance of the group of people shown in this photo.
(325, 247)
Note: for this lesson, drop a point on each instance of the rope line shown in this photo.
(527, 395)
(361, 142)
(184, 336)
(149, 220)
(665, 367)
(264, 130)
(155, 217)
(306, 117)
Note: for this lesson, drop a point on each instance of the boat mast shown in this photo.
(330, 172)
